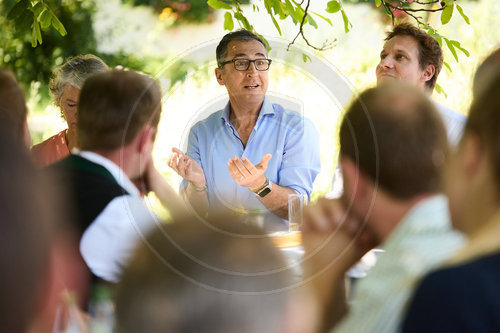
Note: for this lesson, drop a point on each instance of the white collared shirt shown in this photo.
(108, 243)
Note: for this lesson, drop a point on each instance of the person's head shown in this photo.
(244, 81)
(13, 107)
(392, 144)
(25, 232)
(216, 276)
(67, 81)
(116, 109)
(412, 55)
(472, 177)
(486, 71)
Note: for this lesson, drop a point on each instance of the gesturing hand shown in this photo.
(187, 168)
(246, 174)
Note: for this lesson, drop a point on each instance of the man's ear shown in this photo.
(218, 76)
(428, 73)
(146, 138)
(357, 186)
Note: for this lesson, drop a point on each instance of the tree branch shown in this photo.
(325, 46)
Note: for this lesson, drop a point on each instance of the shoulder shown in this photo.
(50, 150)
(214, 119)
(449, 113)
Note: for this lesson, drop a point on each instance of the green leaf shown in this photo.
(324, 18)
(461, 11)
(37, 9)
(239, 16)
(216, 4)
(458, 46)
(25, 21)
(378, 3)
(447, 65)
(451, 48)
(58, 26)
(276, 23)
(36, 34)
(311, 21)
(447, 12)
(440, 90)
(18, 9)
(295, 14)
(332, 6)
(305, 57)
(45, 19)
(347, 24)
(228, 21)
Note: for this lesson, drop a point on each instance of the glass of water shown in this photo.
(295, 207)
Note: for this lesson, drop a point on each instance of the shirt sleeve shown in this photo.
(301, 157)
(109, 242)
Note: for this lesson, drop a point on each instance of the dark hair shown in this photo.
(486, 71)
(113, 108)
(241, 35)
(218, 275)
(13, 109)
(429, 50)
(25, 230)
(484, 120)
(397, 138)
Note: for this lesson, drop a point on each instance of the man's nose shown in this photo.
(386, 62)
(252, 68)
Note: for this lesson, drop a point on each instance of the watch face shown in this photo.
(264, 192)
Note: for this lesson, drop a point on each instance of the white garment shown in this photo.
(453, 121)
(421, 241)
(108, 243)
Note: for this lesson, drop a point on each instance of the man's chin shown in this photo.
(385, 78)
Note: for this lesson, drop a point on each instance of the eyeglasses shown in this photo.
(244, 64)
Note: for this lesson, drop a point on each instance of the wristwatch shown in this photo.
(264, 189)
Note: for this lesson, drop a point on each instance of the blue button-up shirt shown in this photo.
(291, 139)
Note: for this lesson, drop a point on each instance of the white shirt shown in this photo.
(109, 241)
(454, 123)
(421, 241)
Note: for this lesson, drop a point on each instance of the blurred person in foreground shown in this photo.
(65, 86)
(25, 236)
(13, 110)
(60, 275)
(392, 149)
(464, 296)
(213, 275)
(251, 155)
(118, 115)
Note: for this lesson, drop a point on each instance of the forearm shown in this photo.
(277, 200)
(198, 199)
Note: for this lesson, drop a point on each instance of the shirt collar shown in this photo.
(117, 173)
(267, 108)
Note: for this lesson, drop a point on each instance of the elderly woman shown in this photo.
(65, 88)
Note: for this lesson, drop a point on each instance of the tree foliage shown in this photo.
(280, 10)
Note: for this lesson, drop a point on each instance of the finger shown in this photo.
(178, 151)
(265, 160)
(241, 167)
(233, 171)
(314, 219)
(250, 167)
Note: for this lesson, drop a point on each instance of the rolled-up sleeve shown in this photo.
(301, 161)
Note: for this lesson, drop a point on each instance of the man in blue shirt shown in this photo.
(249, 156)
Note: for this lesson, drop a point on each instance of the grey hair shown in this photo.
(240, 35)
(74, 72)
